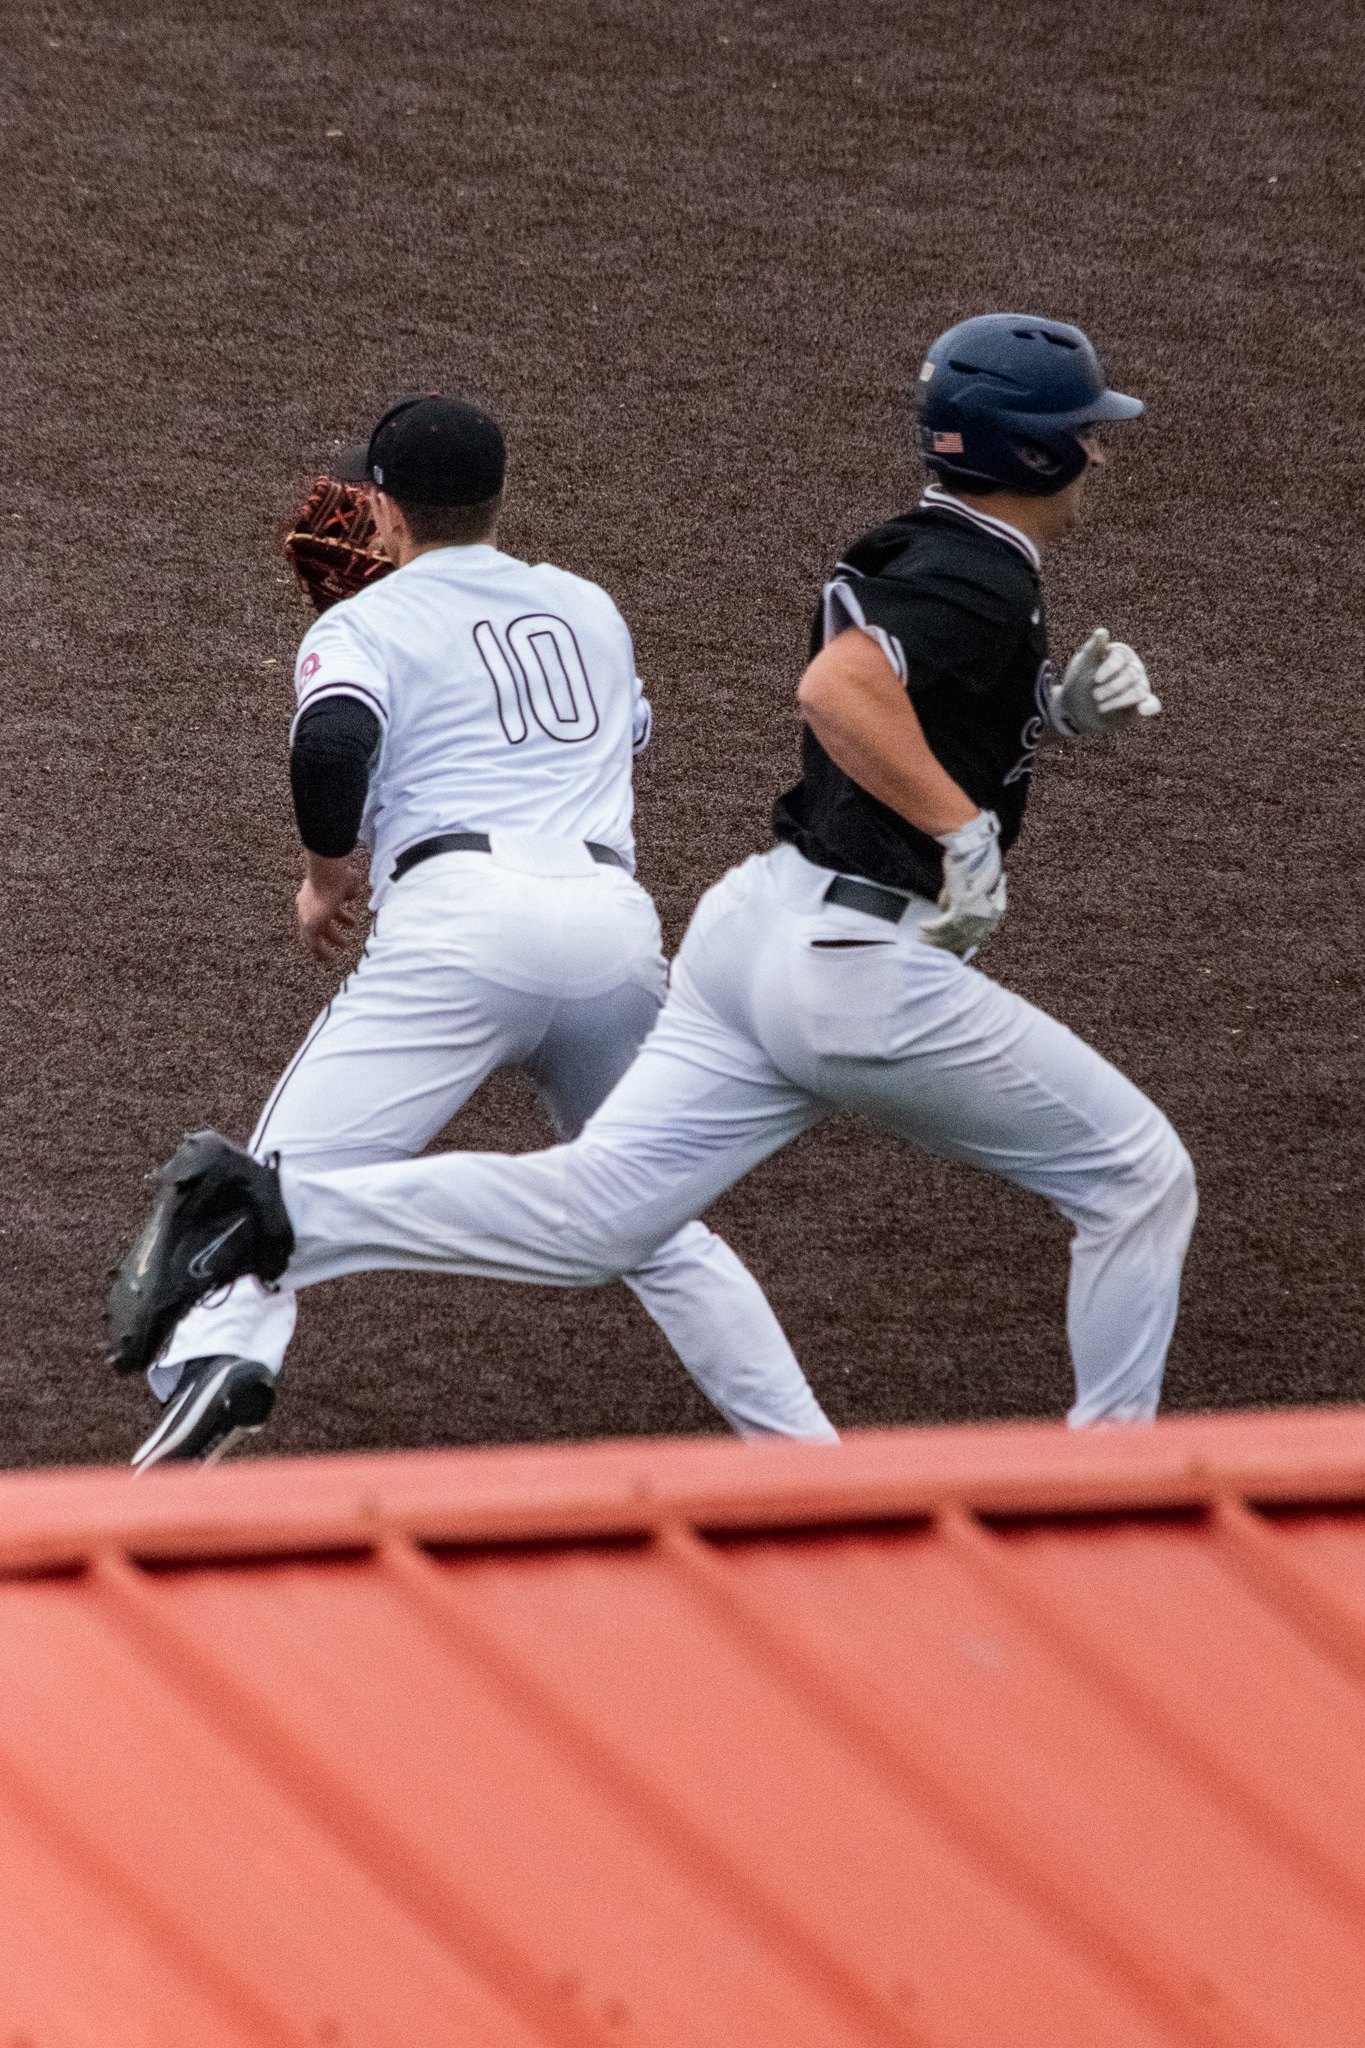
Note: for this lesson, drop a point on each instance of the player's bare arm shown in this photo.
(857, 707)
(855, 704)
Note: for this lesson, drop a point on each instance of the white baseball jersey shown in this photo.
(506, 695)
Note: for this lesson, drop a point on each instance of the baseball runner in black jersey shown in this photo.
(832, 972)
(953, 601)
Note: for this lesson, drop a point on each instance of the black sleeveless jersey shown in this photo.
(960, 612)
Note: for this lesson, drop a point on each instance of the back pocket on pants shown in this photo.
(848, 994)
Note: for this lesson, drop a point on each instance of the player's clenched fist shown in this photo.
(328, 906)
(1105, 688)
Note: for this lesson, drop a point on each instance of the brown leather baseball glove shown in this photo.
(332, 549)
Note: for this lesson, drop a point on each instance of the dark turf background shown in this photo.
(692, 253)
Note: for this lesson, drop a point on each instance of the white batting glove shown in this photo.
(1105, 688)
(973, 895)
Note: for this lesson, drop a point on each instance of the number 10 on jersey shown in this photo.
(536, 668)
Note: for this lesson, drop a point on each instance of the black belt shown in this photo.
(868, 897)
(479, 842)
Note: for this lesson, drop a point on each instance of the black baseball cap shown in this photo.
(430, 450)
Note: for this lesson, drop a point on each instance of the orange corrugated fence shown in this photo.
(965, 1738)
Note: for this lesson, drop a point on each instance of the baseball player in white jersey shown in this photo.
(831, 972)
(470, 720)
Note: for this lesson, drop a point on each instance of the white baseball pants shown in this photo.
(532, 956)
(781, 1009)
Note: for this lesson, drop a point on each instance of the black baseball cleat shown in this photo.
(216, 1401)
(219, 1214)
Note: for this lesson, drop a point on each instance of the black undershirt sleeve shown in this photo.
(334, 747)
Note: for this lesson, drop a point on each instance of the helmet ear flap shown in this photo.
(1046, 467)
(1045, 463)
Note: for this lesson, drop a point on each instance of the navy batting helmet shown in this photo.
(1002, 399)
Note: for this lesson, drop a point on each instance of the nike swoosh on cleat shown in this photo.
(198, 1266)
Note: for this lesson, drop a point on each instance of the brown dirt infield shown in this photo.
(691, 253)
